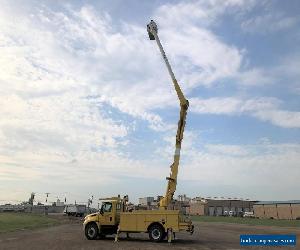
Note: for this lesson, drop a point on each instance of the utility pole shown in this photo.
(47, 195)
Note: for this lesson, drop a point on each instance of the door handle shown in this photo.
(110, 218)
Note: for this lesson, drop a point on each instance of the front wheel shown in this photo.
(91, 231)
(156, 233)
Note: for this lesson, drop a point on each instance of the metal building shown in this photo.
(146, 201)
(288, 210)
(219, 207)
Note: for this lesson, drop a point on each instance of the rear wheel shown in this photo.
(156, 233)
(91, 231)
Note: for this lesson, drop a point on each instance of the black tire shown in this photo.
(91, 231)
(156, 233)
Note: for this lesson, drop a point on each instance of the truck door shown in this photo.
(108, 213)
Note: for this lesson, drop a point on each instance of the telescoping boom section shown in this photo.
(184, 104)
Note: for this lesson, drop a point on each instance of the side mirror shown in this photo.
(101, 211)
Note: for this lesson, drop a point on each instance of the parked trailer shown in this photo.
(75, 210)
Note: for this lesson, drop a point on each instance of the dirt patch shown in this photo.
(207, 235)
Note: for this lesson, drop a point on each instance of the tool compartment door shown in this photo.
(128, 222)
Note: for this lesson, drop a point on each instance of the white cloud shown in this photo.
(289, 66)
(205, 13)
(60, 71)
(263, 108)
(287, 72)
(255, 77)
(269, 22)
(232, 150)
(215, 105)
(265, 169)
(282, 118)
(203, 57)
(237, 165)
(56, 52)
(260, 164)
(72, 117)
(232, 105)
(47, 53)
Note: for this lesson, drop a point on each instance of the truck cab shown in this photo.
(104, 222)
(108, 213)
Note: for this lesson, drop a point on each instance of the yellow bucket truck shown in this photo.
(114, 217)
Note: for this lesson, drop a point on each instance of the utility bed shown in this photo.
(140, 221)
(112, 219)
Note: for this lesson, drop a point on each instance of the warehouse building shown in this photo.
(37, 209)
(288, 210)
(146, 201)
(219, 206)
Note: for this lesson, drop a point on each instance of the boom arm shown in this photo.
(184, 104)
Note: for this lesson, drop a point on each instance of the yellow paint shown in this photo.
(139, 220)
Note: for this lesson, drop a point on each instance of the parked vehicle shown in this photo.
(248, 215)
(75, 210)
(231, 213)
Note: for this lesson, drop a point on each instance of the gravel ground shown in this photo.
(208, 235)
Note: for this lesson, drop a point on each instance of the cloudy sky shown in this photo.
(87, 106)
